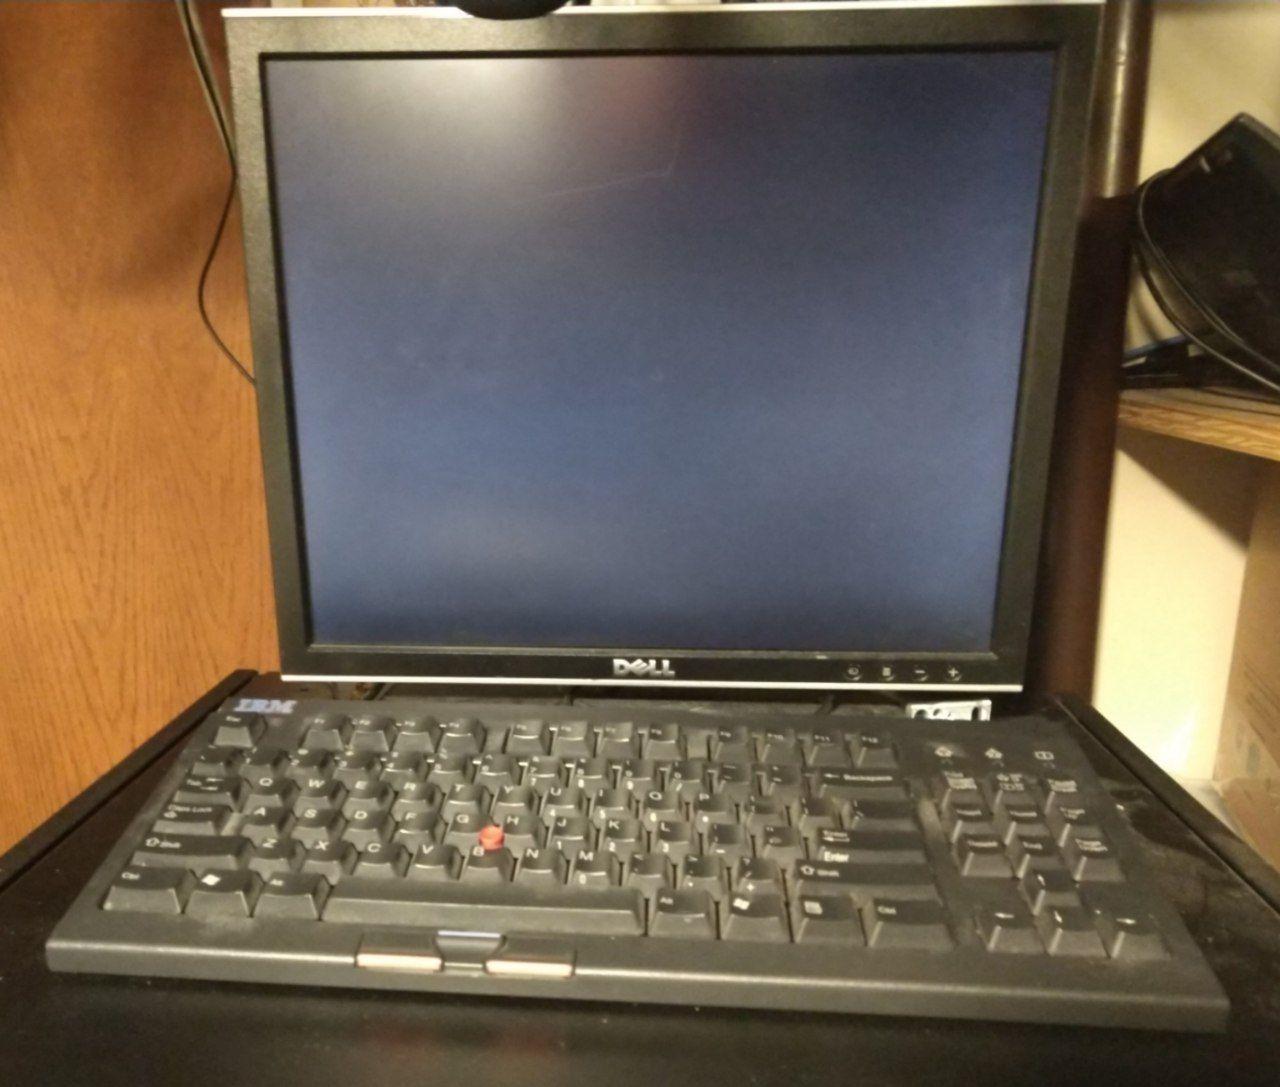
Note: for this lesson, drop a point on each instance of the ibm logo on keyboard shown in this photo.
(265, 705)
(644, 669)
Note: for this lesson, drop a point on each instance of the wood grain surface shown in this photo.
(133, 560)
(1241, 424)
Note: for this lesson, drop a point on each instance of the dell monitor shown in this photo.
(701, 346)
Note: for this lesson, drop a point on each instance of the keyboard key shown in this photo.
(593, 869)
(872, 751)
(515, 800)
(864, 881)
(590, 775)
(1027, 852)
(659, 805)
(542, 867)
(192, 819)
(239, 730)
(1091, 860)
(365, 828)
(826, 747)
(470, 800)
(727, 840)
(959, 819)
(638, 775)
(699, 872)
(761, 918)
(572, 739)
(617, 740)
(316, 825)
(326, 732)
(736, 782)
(381, 860)
(1067, 822)
(263, 760)
(368, 796)
(781, 844)
(564, 800)
(1049, 889)
(217, 895)
(308, 763)
(675, 839)
(274, 855)
(417, 734)
(293, 896)
(417, 796)
(1010, 787)
(1019, 820)
(780, 747)
(446, 771)
(622, 837)
(1008, 930)
(683, 915)
(1069, 932)
(198, 852)
(907, 925)
(523, 832)
(332, 860)
(688, 778)
(371, 732)
(351, 767)
(262, 823)
(756, 875)
(955, 787)
(826, 919)
(464, 829)
(571, 834)
(782, 782)
(981, 855)
(400, 768)
(319, 793)
(529, 738)
(858, 785)
(815, 813)
(149, 890)
(487, 865)
(868, 847)
(437, 863)
(881, 815)
(496, 772)
(1060, 791)
(210, 789)
(712, 809)
(465, 736)
(759, 812)
(733, 743)
(1130, 935)
(505, 908)
(663, 741)
(648, 872)
(613, 804)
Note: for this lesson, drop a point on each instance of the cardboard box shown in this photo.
(1248, 764)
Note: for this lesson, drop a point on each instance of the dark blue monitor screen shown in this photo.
(678, 351)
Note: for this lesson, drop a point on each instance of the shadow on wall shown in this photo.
(1221, 486)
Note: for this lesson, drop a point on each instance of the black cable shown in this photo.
(1148, 246)
(196, 44)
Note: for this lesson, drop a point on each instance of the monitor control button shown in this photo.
(952, 673)
(886, 673)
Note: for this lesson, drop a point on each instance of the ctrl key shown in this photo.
(149, 890)
(907, 925)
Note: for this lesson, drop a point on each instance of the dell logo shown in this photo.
(645, 669)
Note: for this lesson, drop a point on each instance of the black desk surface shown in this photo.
(70, 1029)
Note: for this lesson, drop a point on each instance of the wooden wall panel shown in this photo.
(133, 561)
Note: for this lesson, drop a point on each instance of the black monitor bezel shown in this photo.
(1069, 29)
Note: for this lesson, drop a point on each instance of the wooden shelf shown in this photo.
(1239, 423)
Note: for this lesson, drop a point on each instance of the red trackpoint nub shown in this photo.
(491, 838)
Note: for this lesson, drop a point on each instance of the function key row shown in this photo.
(423, 734)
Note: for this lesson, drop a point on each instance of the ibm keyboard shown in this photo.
(832, 863)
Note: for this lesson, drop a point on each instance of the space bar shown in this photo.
(506, 907)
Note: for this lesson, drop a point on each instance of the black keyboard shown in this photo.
(836, 863)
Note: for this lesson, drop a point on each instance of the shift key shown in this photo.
(865, 881)
(198, 852)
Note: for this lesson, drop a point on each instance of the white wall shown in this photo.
(1180, 512)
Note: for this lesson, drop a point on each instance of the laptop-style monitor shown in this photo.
(676, 347)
